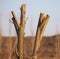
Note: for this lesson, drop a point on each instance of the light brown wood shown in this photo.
(43, 20)
(14, 17)
(21, 36)
(20, 30)
(39, 34)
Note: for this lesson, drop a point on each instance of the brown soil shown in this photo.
(49, 48)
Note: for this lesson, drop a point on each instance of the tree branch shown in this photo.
(43, 20)
(15, 22)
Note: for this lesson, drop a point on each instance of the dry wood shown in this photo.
(14, 16)
(39, 34)
(21, 36)
(43, 20)
(15, 22)
(20, 29)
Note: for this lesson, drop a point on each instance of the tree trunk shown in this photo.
(21, 32)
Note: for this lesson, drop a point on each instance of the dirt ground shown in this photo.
(49, 48)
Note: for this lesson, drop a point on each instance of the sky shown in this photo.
(33, 10)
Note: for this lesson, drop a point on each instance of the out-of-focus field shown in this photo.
(49, 48)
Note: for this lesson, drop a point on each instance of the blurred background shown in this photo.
(33, 9)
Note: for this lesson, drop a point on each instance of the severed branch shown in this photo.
(15, 22)
(43, 20)
(17, 28)
(15, 19)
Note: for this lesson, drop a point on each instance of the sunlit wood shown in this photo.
(43, 20)
(20, 30)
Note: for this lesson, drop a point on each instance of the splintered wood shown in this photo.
(43, 20)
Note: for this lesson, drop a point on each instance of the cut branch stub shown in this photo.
(23, 12)
(43, 20)
(41, 17)
(15, 22)
(15, 19)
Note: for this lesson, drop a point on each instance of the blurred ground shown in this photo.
(49, 48)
